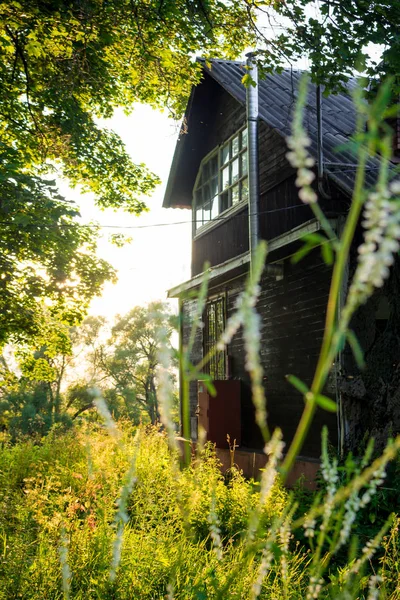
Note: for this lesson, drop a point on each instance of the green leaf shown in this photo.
(327, 253)
(326, 403)
(356, 348)
(208, 382)
(298, 384)
(247, 80)
(301, 253)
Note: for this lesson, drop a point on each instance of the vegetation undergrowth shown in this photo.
(187, 534)
(67, 484)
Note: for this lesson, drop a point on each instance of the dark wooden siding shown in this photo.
(279, 205)
(281, 209)
(293, 314)
(227, 240)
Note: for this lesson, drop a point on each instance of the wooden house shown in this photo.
(210, 177)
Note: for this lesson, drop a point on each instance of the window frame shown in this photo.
(217, 367)
(242, 176)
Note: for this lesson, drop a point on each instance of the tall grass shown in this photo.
(193, 536)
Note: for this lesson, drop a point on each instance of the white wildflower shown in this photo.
(274, 451)
(307, 195)
(298, 155)
(366, 554)
(121, 516)
(102, 408)
(65, 570)
(330, 474)
(314, 587)
(377, 480)
(309, 527)
(351, 507)
(170, 591)
(394, 187)
(265, 565)
(214, 529)
(381, 242)
(373, 590)
(252, 344)
(165, 386)
(248, 298)
(304, 177)
(285, 535)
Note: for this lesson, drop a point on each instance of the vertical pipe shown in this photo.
(252, 153)
(320, 150)
(320, 147)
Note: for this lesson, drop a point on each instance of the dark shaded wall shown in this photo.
(293, 313)
(371, 396)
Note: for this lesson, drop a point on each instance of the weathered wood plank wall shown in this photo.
(292, 312)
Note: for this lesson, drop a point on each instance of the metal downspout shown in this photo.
(252, 153)
(320, 147)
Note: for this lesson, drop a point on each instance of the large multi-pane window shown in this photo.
(222, 181)
(214, 325)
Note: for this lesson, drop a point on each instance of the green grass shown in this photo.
(71, 482)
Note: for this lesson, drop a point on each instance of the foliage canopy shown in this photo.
(63, 66)
(337, 38)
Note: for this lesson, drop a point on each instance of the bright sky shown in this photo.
(158, 258)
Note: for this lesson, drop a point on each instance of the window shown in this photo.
(214, 326)
(222, 181)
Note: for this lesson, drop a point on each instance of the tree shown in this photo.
(128, 362)
(63, 65)
(335, 35)
(66, 63)
(31, 398)
(44, 256)
(48, 380)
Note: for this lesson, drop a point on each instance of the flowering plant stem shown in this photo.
(327, 350)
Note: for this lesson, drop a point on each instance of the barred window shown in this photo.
(214, 325)
(222, 181)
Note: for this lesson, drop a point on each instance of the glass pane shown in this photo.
(225, 154)
(235, 195)
(235, 146)
(199, 197)
(243, 163)
(199, 217)
(207, 212)
(224, 204)
(214, 165)
(244, 190)
(244, 138)
(225, 177)
(214, 186)
(205, 172)
(214, 207)
(207, 192)
(235, 170)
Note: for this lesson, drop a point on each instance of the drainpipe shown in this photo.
(252, 153)
(320, 146)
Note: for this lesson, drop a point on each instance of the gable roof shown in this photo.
(277, 98)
